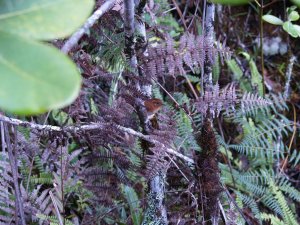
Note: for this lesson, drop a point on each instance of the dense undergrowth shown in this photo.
(222, 150)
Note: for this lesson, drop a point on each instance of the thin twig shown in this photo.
(180, 14)
(261, 28)
(153, 141)
(175, 164)
(223, 212)
(191, 86)
(186, 8)
(195, 14)
(73, 40)
(173, 99)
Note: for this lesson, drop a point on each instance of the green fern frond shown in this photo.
(194, 79)
(156, 91)
(261, 141)
(288, 215)
(184, 125)
(39, 164)
(53, 220)
(256, 78)
(279, 103)
(285, 186)
(277, 199)
(111, 56)
(259, 177)
(272, 219)
(251, 203)
(269, 201)
(235, 69)
(294, 159)
(43, 178)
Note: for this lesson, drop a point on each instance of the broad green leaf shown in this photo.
(256, 78)
(297, 28)
(233, 66)
(289, 27)
(134, 204)
(231, 2)
(35, 78)
(43, 19)
(272, 19)
(293, 16)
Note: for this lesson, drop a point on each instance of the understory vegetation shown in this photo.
(187, 114)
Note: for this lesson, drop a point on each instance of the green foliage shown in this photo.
(185, 139)
(53, 220)
(61, 118)
(81, 194)
(134, 204)
(216, 69)
(43, 19)
(101, 180)
(36, 77)
(291, 28)
(296, 2)
(112, 56)
(256, 78)
(285, 211)
(251, 203)
(272, 19)
(261, 144)
(244, 84)
(169, 20)
(260, 139)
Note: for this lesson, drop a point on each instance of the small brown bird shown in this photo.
(153, 105)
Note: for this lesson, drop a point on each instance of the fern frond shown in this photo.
(251, 102)
(287, 214)
(192, 52)
(295, 158)
(251, 203)
(53, 220)
(285, 186)
(261, 139)
(274, 220)
(234, 67)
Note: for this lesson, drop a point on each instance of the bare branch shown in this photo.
(73, 40)
(89, 127)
